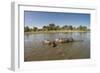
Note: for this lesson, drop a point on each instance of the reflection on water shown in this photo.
(34, 50)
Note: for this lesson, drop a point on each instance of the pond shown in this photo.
(35, 50)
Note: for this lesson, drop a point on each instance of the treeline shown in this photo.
(52, 26)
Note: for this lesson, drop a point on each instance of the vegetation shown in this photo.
(26, 29)
(53, 27)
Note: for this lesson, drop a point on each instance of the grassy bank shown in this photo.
(57, 31)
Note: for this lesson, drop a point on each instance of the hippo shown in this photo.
(47, 42)
(57, 41)
(54, 44)
(64, 40)
(71, 39)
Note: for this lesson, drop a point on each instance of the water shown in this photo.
(35, 50)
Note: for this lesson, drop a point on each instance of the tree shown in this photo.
(51, 26)
(35, 28)
(44, 28)
(65, 27)
(57, 27)
(82, 28)
(26, 29)
(70, 27)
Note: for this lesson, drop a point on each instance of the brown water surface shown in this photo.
(34, 50)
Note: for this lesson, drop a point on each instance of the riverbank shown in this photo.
(56, 31)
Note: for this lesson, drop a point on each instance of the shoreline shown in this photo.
(64, 31)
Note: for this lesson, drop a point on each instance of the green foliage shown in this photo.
(35, 28)
(65, 27)
(26, 29)
(52, 26)
(70, 27)
(82, 28)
